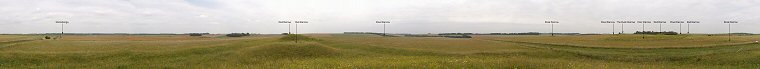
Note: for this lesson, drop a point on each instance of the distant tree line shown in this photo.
(656, 33)
(447, 36)
(525, 33)
(456, 34)
(197, 34)
(238, 34)
(381, 34)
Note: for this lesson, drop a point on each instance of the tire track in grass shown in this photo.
(11, 43)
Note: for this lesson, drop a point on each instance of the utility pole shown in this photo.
(688, 26)
(643, 28)
(729, 28)
(62, 23)
(660, 23)
(622, 25)
(679, 26)
(384, 22)
(552, 22)
(622, 28)
(613, 25)
(288, 22)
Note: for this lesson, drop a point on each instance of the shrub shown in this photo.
(196, 34)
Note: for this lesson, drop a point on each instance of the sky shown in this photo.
(406, 16)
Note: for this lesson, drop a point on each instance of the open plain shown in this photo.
(373, 51)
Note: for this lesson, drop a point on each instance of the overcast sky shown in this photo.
(336, 16)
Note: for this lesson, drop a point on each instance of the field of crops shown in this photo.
(372, 51)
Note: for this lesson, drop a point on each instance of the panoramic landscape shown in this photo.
(379, 34)
(375, 51)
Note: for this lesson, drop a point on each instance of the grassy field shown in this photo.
(632, 41)
(371, 51)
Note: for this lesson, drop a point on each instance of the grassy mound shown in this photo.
(292, 50)
(293, 37)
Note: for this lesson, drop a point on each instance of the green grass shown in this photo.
(371, 51)
(293, 50)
